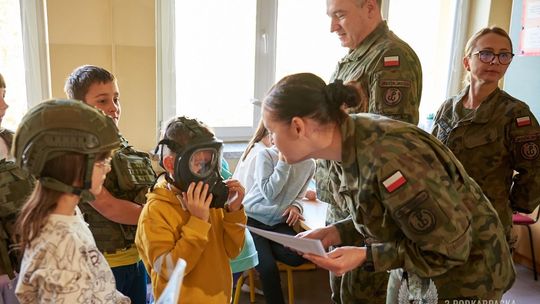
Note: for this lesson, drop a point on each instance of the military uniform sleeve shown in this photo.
(158, 245)
(429, 213)
(348, 233)
(234, 234)
(395, 87)
(524, 138)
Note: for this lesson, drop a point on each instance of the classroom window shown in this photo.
(227, 54)
(434, 37)
(12, 62)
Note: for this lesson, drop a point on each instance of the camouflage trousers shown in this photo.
(359, 286)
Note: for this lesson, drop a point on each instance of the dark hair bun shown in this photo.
(337, 94)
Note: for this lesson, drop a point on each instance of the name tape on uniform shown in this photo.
(395, 181)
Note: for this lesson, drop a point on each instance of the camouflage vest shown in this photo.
(130, 178)
(15, 187)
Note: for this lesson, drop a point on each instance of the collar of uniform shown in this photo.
(484, 112)
(366, 44)
(349, 173)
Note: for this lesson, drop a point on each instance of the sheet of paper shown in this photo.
(298, 244)
(171, 293)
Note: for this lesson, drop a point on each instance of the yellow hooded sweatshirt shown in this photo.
(167, 232)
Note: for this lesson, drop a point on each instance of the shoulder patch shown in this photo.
(523, 121)
(391, 61)
(395, 181)
(529, 151)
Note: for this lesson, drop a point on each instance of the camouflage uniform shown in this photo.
(408, 194)
(391, 76)
(500, 137)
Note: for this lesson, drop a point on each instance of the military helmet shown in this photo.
(56, 127)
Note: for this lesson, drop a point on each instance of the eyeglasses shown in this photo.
(488, 56)
(104, 163)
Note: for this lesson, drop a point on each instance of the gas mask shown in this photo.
(199, 161)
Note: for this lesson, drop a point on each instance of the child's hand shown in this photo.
(236, 194)
(311, 195)
(293, 215)
(198, 200)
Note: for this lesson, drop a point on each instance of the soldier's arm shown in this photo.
(396, 86)
(348, 233)
(430, 213)
(524, 133)
(117, 210)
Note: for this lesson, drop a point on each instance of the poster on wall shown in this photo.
(529, 38)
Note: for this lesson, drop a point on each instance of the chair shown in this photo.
(239, 284)
(290, 281)
(524, 220)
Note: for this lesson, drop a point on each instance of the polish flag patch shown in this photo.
(390, 61)
(523, 121)
(395, 181)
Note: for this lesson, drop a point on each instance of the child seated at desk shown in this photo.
(273, 203)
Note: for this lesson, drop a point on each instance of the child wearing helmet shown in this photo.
(192, 214)
(67, 146)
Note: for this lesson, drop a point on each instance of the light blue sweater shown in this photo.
(277, 185)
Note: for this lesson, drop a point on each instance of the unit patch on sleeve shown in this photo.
(529, 151)
(395, 181)
(392, 96)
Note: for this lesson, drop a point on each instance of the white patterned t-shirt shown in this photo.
(63, 265)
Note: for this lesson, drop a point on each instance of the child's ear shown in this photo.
(168, 163)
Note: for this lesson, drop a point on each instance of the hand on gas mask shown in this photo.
(236, 194)
(197, 200)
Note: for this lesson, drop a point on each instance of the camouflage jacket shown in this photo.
(412, 199)
(130, 178)
(502, 136)
(391, 76)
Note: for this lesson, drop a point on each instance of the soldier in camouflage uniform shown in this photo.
(492, 133)
(388, 76)
(115, 212)
(15, 186)
(408, 196)
(6, 136)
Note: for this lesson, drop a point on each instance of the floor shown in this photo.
(312, 287)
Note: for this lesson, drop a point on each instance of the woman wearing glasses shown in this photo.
(492, 133)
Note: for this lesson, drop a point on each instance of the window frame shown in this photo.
(265, 60)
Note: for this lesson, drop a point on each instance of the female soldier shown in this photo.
(492, 133)
(408, 196)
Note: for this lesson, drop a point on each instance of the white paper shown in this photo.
(171, 293)
(299, 244)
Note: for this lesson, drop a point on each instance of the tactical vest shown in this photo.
(15, 187)
(130, 178)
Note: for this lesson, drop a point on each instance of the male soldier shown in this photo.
(120, 203)
(387, 74)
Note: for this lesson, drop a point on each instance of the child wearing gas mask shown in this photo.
(192, 214)
(273, 203)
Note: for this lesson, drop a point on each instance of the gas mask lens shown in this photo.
(202, 162)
